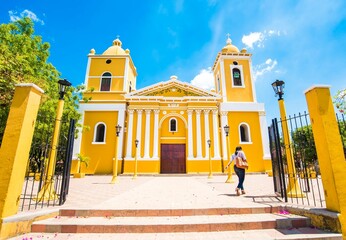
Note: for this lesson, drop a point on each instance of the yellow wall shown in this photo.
(100, 155)
(253, 151)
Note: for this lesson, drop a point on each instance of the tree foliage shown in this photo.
(24, 59)
(304, 146)
(340, 100)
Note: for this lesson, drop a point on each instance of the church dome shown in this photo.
(116, 49)
(229, 48)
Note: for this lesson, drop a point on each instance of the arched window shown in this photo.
(244, 132)
(236, 77)
(173, 125)
(106, 82)
(100, 133)
(218, 83)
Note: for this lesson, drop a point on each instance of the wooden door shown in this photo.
(173, 158)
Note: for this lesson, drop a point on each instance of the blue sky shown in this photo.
(301, 42)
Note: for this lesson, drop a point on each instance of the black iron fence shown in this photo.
(296, 171)
(39, 189)
(296, 174)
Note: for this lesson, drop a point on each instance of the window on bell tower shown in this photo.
(106, 81)
(173, 125)
(236, 77)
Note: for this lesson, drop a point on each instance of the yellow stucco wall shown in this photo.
(254, 149)
(100, 154)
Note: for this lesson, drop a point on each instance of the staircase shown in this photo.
(211, 223)
(173, 208)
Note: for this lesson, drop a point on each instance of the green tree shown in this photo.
(24, 59)
(304, 147)
(340, 100)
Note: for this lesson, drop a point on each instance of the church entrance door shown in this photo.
(173, 158)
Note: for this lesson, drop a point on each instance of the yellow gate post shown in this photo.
(329, 150)
(15, 148)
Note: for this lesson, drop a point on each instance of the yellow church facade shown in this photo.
(171, 126)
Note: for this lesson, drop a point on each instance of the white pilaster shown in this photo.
(190, 136)
(129, 135)
(156, 134)
(198, 134)
(224, 122)
(78, 141)
(265, 137)
(139, 131)
(121, 121)
(207, 135)
(216, 135)
(147, 134)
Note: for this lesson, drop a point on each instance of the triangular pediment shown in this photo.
(172, 88)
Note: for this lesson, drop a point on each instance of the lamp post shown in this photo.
(210, 165)
(293, 188)
(229, 177)
(115, 161)
(135, 172)
(48, 192)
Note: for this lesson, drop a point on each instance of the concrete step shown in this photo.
(170, 224)
(164, 212)
(262, 234)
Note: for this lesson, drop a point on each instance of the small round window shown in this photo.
(108, 61)
(235, 63)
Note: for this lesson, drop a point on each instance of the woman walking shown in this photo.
(239, 171)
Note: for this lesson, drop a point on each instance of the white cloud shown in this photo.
(26, 13)
(252, 38)
(205, 79)
(258, 38)
(263, 68)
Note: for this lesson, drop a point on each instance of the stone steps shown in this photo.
(164, 212)
(260, 234)
(263, 222)
(169, 224)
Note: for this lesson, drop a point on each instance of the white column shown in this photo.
(156, 134)
(190, 135)
(198, 134)
(78, 141)
(139, 131)
(147, 134)
(224, 122)
(129, 135)
(265, 137)
(216, 135)
(207, 135)
(121, 121)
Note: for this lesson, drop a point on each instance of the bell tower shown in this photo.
(232, 74)
(111, 74)
(239, 109)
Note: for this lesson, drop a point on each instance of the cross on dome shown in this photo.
(229, 41)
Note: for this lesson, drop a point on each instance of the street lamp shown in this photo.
(135, 173)
(210, 165)
(48, 192)
(115, 161)
(293, 188)
(229, 177)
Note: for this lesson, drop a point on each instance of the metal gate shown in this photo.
(303, 168)
(36, 173)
